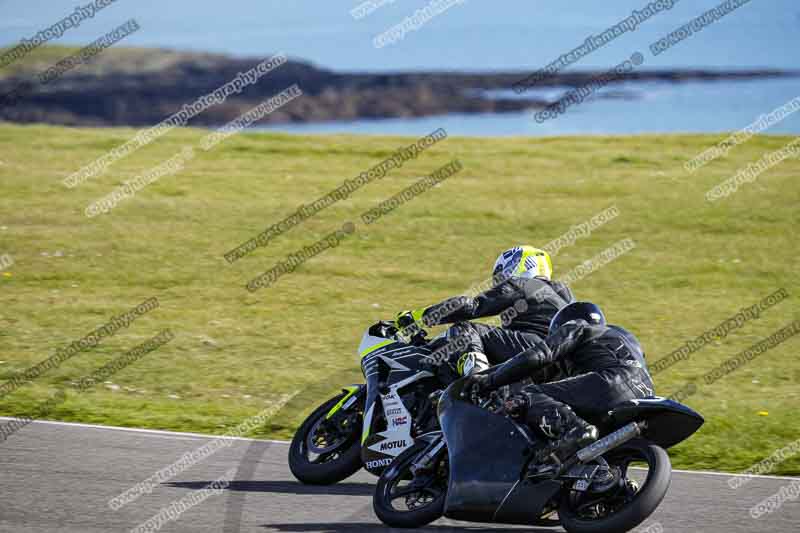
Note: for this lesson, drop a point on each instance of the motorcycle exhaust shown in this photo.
(610, 441)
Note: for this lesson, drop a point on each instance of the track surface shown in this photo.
(59, 477)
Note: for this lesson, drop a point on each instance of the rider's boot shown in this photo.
(549, 460)
(579, 436)
(565, 433)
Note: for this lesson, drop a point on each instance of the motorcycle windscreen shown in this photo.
(486, 453)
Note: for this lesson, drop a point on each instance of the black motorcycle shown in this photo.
(368, 425)
(480, 467)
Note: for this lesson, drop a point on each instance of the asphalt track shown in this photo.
(60, 477)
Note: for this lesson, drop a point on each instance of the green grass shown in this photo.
(236, 353)
(111, 60)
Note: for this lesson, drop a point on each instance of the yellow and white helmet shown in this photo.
(523, 262)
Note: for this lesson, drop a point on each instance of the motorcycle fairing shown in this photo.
(370, 343)
(381, 448)
(487, 454)
(399, 363)
(668, 422)
(524, 496)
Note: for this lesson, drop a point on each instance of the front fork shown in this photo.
(436, 443)
(340, 415)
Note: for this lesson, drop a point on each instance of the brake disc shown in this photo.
(312, 446)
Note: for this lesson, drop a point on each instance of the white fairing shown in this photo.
(397, 437)
(368, 341)
(398, 419)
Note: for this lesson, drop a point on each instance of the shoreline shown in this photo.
(113, 90)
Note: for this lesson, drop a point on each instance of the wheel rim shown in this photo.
(328, 439)
(322, 440)
(631, 473)
(409, 492)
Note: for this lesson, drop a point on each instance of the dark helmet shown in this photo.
(578, 311)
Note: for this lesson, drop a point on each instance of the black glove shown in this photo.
(403, 320)
(431, 364)
(516, 406)
(476, 385)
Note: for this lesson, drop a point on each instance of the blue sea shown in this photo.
(514, 35)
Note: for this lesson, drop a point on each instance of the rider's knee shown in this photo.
(472, 363)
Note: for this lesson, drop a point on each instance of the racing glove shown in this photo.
(516, 406)
(405, 318)
(476, 385)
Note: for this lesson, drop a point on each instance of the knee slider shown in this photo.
(471, 363)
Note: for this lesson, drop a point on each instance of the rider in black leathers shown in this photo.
(523, 295)
(605, 366)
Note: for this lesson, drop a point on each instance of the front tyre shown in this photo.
(411, 499)
(326, 451)
(627, 505)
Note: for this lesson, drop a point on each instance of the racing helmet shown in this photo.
(523, 262)
(587, 311)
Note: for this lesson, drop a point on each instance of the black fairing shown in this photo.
(668, 422)
(487, 453)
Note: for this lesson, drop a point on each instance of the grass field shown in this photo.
(236, 353)
(118, 59)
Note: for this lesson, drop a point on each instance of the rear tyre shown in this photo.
(404, 499)
(631, 505)
(326, 451)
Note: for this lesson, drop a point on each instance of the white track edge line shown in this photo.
(728, 474)
(145, 431)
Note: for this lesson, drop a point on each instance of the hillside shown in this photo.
(137, 87)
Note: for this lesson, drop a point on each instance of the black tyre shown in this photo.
(326, 451)
(422, 494)
(631, 504)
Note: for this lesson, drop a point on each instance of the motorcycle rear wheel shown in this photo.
(322, 452)
(636, 506)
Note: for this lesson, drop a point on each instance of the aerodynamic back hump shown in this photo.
(668, 422)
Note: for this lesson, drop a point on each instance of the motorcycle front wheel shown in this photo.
(412, 499)
(325, 451)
